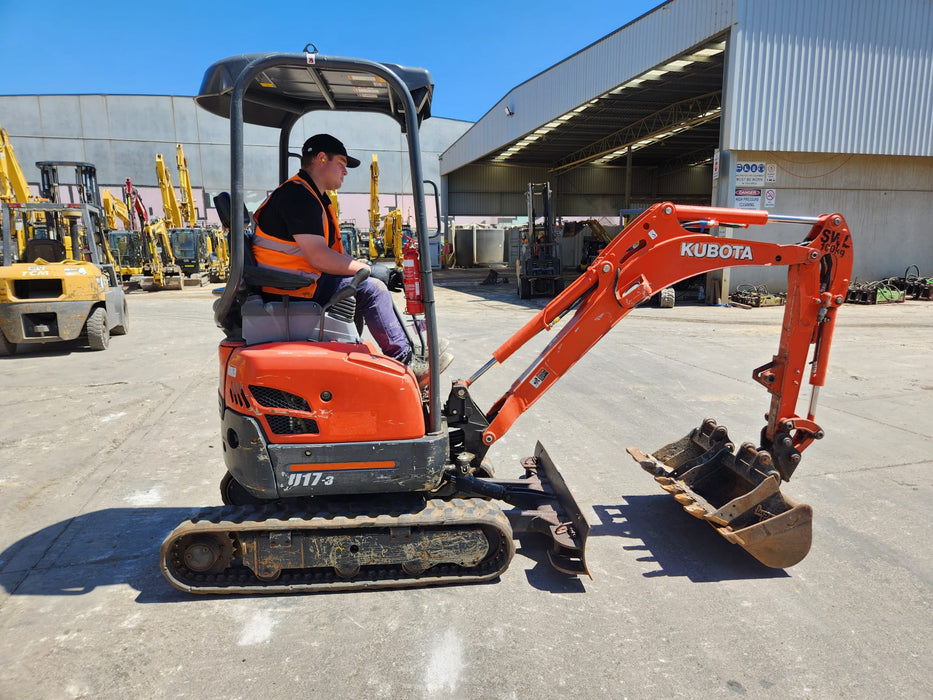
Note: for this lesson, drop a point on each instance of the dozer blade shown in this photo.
(542, 504)
(737, 492)
(552, 511)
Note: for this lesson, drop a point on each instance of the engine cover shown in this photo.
(308, 392)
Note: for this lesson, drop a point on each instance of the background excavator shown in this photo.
(191, 245)
(145, 253)
(14, 188)
(388, 236)
(342, 473)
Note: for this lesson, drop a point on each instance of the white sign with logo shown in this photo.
(747, 198)
(771, 172)
(770, 196)
(749, 174)
(716, 164)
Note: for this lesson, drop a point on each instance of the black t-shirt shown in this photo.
(292, 209)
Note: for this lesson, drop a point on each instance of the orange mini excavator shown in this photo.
(342, 473)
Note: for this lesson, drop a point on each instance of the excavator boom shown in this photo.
(656, 251)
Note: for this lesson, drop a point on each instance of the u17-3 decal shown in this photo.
(310, 479)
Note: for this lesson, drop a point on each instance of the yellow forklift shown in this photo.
(61, 283)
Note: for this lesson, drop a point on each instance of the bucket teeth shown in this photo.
(683, 499)
(696, 511)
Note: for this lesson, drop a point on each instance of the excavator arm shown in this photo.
(187, 209)
(173, 215)
(115, 211)
(13, 184)
(736, 492)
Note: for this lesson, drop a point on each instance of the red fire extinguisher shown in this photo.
(411, 277)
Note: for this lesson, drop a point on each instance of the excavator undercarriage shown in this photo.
(385, 541)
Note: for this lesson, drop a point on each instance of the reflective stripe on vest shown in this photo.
(273, 253)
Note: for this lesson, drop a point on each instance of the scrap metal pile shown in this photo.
(911, 285)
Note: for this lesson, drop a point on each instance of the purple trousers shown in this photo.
(374, 302)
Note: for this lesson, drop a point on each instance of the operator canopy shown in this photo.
(280, 94)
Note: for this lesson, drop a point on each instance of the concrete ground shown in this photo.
(103, 453)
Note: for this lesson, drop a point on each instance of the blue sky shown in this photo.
(476, 50)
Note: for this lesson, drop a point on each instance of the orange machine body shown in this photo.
(322, 392)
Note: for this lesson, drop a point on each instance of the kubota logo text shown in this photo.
(723, 251)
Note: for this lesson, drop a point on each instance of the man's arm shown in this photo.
(326, 259)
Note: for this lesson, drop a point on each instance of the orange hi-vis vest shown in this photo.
(276, 254)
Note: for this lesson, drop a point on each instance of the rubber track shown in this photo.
(239, 579)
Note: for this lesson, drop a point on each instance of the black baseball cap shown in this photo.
(325, 143)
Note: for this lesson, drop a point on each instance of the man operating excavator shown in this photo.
(297, 231)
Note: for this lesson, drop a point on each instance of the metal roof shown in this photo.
(672, 115)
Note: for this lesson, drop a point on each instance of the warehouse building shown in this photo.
(794, 107)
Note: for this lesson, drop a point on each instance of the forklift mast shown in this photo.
(85, 181)
(539, 268)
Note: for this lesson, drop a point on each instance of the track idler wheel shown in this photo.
(206, 553)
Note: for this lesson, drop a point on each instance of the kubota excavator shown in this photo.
(343, 474)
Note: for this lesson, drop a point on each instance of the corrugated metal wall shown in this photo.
(121, 135)
(837, 76)
(886, 200)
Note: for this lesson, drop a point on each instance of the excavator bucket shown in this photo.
(735, 491)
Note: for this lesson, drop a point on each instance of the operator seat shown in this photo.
(47, 249)
(270, 318)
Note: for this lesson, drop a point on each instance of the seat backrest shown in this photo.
(47, 249)
(223, 205)
(255, 277)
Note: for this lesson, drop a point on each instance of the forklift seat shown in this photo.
(44, 248)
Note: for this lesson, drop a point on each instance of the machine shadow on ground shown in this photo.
(679, 544)
(60, 348)
(120, 546)
(102, 548)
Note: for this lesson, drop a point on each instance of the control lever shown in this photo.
(343, 294)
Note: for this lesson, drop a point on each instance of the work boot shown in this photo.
(442, 345)
(422, 369)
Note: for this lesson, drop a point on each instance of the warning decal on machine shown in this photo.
(539, 378)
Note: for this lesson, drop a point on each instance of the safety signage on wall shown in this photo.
(747, 198)
(749, 174)
(770, 196)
